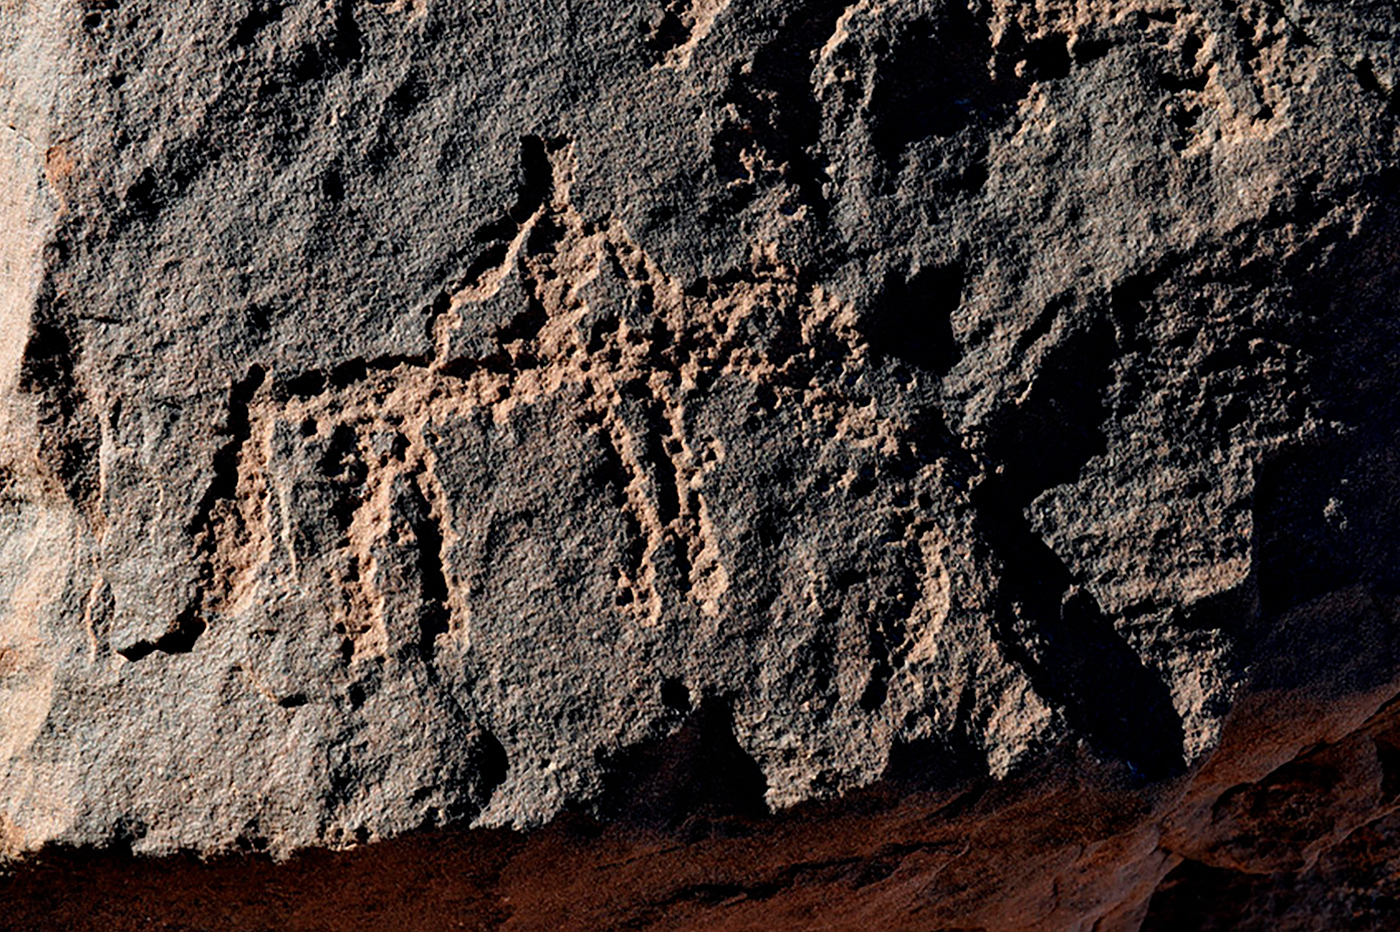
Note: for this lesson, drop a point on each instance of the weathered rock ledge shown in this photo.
(916, 464)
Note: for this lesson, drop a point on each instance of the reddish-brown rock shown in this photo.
(923, 464)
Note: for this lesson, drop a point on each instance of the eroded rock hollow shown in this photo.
(920, 464)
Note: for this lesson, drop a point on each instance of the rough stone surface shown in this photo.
(701, 464)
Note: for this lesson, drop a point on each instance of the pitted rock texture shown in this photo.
(889, 464)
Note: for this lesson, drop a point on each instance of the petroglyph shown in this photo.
(633, 359)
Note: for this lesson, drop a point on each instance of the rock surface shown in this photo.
(700, 465)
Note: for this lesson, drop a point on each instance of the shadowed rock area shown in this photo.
(926, 464)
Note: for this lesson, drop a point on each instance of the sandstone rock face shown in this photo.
(702, 464)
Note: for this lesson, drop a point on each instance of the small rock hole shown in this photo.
(674, 695)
